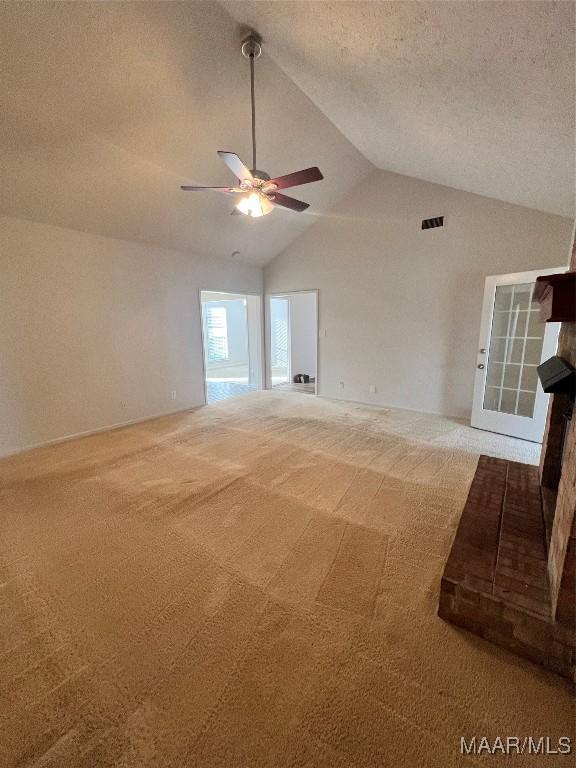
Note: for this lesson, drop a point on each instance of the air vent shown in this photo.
(437, 221)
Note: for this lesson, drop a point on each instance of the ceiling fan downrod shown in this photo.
(251, 50)
(259, 193)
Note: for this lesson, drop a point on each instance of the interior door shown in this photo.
(508, 397)
(280, 340)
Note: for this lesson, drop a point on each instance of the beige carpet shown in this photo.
(251, 584)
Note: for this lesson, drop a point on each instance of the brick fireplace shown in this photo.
(558, 481)
(511, 573)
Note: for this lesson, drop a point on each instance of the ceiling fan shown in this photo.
(259, 193)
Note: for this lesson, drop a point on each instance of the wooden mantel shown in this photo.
(556, 295)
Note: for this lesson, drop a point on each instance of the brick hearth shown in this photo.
(495, 582)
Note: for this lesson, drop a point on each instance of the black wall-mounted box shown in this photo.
(558, 376)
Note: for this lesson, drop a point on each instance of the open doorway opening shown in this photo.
(232, 343)
(280, 340)
(292, 341)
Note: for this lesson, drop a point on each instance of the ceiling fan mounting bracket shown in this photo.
(252, 46)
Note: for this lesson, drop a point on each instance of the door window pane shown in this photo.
(529, 380)
(503, 298)
(508, 401)
(492, 398)
(521, 296)
(498, 350)
(518, 322)
(526, 404)
(494, 375)
(533, 351)
(500, 324)
(534, 323)
(515, 350)
(511, 376)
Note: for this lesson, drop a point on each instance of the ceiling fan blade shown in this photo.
(229, 190)
(236, 165)
(297, 178)
(288, 202)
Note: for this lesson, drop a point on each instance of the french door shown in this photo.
(508, 397)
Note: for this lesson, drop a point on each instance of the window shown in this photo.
(515, 351)
(217, 334)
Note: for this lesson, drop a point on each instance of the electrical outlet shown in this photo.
(372, 388)
(173, 394)
(341, 384)
(124, 403)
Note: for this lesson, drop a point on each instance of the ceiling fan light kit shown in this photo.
(259, 193)
(255, 204)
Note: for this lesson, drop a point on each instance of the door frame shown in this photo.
(490, 419)
(261, 355)
(268, 334)
(269, 383)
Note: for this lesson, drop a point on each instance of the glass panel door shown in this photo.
(508, 397)
(515, 351)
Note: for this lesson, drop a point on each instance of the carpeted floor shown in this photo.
(250, 585)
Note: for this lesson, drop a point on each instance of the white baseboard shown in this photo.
(465, 419)
(121, 424)
(88, 432)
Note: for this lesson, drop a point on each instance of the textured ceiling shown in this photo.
(474, 95)
(108, 107)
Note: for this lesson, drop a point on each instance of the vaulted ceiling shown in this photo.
(474, 95)
(108, 107)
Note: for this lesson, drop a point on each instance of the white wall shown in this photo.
(87, 322)
(400, 306)
(303, 333)
(255, 341)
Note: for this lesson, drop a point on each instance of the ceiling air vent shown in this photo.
(437, 221)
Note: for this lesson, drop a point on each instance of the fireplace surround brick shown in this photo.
(495, 581)
(511, 574)
(559, 483)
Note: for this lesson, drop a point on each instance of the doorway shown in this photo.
(279, 340)
(232, 344)
(292, 341)
(508, 397)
